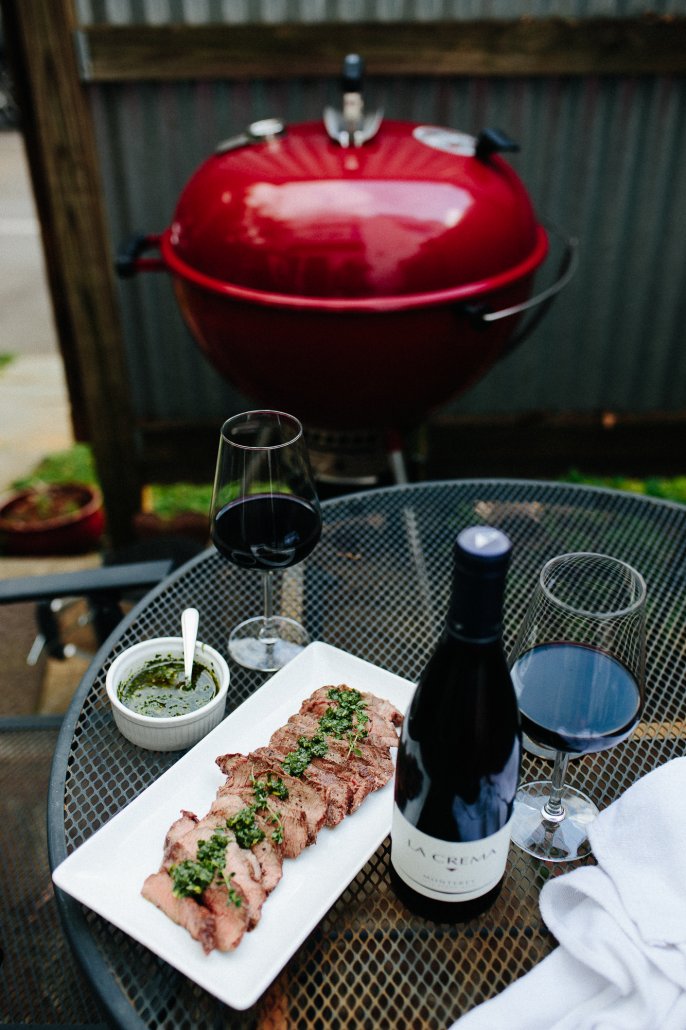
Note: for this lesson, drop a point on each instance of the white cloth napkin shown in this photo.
(620, 925)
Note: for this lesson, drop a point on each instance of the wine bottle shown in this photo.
(460, 748)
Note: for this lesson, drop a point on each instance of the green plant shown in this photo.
(168, 500)
(5, 360)
(75, 465)
(667, 488)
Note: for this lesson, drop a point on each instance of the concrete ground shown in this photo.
(34, 421)
(34, 405)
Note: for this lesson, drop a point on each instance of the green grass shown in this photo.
(75, 465)
(666, 488)
(166, 501)
(5, 360)
(175, 498)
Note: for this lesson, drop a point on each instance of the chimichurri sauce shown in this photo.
(160, 689)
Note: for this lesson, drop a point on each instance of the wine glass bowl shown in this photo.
(578, 670)
(265, 515)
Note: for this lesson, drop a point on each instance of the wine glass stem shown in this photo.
(267, 606)
(554, 810)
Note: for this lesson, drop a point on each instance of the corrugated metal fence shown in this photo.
(602, 157)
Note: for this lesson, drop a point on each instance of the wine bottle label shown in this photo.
(444, 869)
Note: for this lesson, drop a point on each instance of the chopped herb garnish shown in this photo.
(345, 719)
(212, 852)
(234, 897)
(245, 828)
(262, 789)
(308, 748)
(192, 877)
(273, 785)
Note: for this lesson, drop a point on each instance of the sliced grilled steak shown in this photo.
(247, 874)
(268, 852)
(367, 763)
(334, 792)
(354, 752)
(362, 773)
(186, 912)
(187, 821)
(330, 787)
(380, 728)
(376, 706)
(242, 770)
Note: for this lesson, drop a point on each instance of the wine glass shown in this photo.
(265, 515)
(578, 670)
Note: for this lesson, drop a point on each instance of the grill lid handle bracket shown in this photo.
(266, 130)
(351, 127)
(493, 141)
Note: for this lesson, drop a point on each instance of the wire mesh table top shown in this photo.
(377, 586)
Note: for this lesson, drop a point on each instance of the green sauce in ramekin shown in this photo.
(159, 689)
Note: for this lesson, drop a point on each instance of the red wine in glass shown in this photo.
(267, 531)
(578, 668)
(265, 515)
(599, 707)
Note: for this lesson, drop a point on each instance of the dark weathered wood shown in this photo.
(60, 142)
(526, 445)
(549, 445)
(179, 451)
(540, 46)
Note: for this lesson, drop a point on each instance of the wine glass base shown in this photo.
(546, 839)
(254, 644)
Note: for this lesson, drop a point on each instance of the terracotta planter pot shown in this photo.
(56, 519)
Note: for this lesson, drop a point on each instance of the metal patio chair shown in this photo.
(40, 982)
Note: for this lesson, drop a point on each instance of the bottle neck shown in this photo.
(475, 614)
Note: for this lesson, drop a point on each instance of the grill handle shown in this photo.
(481, 316)
(129, 261)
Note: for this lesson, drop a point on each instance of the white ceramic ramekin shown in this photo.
(171, 733)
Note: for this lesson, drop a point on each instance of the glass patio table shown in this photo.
(377, 587)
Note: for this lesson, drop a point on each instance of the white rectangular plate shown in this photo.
(107, 872)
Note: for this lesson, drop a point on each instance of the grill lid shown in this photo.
(388, 210)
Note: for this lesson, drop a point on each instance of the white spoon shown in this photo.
(189, 632)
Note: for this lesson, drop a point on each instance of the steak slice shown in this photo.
(231, 920)
(269, 853)
(381, 732)
(271, 863)
(178, 829)
(362, 773)
(242, 770)
(191, 915)
(241, 865)
(376, 707)
(357, 753)
(334, 792)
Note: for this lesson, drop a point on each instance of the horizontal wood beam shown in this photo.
(535, 444)
(647, 45)
(550, 444)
